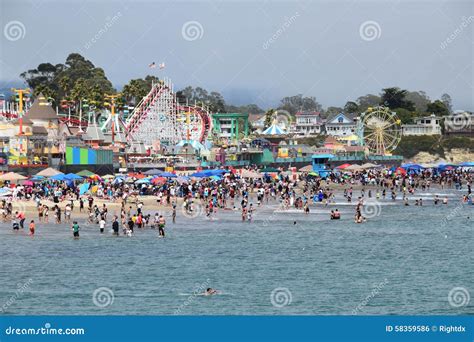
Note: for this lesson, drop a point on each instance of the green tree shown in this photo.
(448, 102)
(367, 101)
(351, 107)
(269, 117)
(405, 116)
(437, 107)
(396, 98)
(420, 100)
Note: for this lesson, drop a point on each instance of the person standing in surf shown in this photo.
(161, 226)
(75, 230)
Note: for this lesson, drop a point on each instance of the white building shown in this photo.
(307, 124)
(341, 125)
(427, 125)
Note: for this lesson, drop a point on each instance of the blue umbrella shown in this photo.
(72, 176)
(59, 177)
(143, 181)
(167, 175)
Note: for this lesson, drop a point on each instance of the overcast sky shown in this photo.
(255, 52)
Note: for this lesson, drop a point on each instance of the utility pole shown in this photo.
(112, 111)
(20, 93)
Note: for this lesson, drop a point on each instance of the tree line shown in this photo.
(79, 79)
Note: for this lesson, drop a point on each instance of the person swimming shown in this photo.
(335, 215)
(210, 291)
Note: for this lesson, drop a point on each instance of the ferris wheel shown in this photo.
(380, 130)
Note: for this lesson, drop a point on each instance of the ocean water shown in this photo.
(403, 260)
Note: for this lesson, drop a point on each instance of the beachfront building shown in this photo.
(427, 125)
(459, 123)
(308, 124)
(231, 127)
(342, 124)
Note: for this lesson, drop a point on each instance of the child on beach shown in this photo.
(32, 227)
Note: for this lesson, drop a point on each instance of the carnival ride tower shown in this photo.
(160, 119)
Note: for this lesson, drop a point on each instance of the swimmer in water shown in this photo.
(210, 291)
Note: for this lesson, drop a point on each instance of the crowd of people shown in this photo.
(209, 195)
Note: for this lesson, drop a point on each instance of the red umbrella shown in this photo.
(28, 183)
(343, 166)
(400, 171)
(158, 180)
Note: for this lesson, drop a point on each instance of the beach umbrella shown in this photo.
(143, 181)
(216, 178)
(467, 164)
(313, 173)
(153, 172)
(5, 192)
(28, 183)
(58, 177)
(12, 176)
(84, 188)
(343, 166)
(354, 167)
(158, 180)
(168, 175)
(72, 177)
(49, 172)
(306, 168)
(85, 173)
(108, 177)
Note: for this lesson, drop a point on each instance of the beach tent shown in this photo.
(85, 173)
(306, 168)
(153, 172)
(12, 176)
(49, 172)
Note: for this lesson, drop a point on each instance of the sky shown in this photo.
(254, 51)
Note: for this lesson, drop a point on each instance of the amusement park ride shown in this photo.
(379, 129)
(158, 119)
